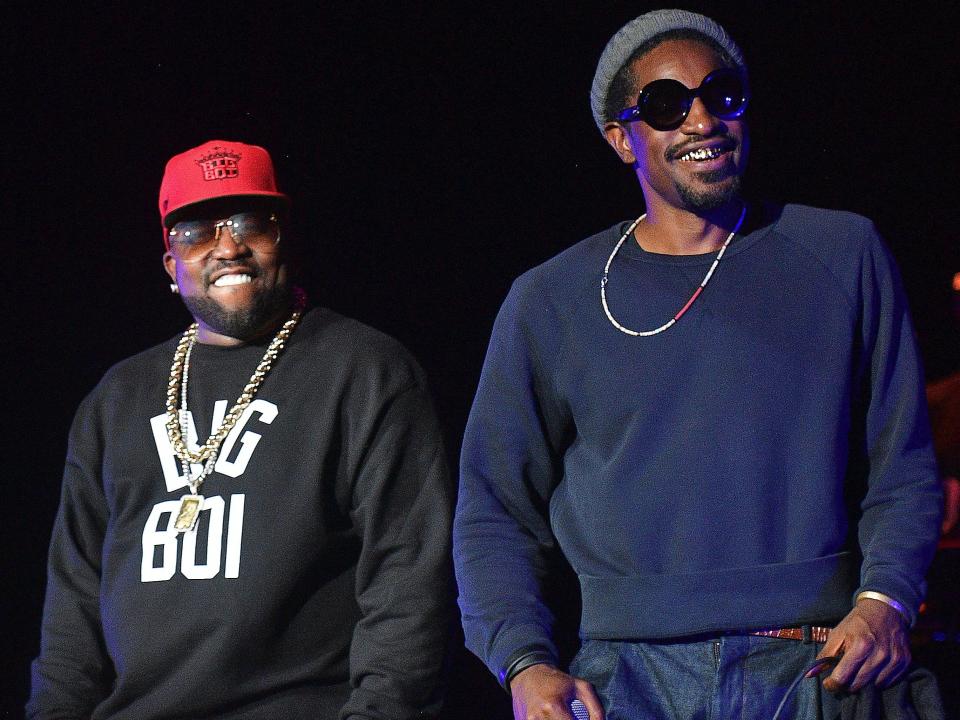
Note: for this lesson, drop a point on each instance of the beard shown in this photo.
(243, 324)
(710, 189)
(719, 188)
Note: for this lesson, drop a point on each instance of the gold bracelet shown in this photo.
(886, 599)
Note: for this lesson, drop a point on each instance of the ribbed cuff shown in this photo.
(522, 659)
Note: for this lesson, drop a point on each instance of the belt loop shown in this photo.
(807, 634)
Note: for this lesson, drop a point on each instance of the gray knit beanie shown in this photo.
(635, 33)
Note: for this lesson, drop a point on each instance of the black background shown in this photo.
(434, 151)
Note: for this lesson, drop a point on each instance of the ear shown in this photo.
(170, 265)
(620, 141)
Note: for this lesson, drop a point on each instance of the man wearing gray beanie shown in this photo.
(715, 412)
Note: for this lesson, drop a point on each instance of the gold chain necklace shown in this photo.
(192, 503)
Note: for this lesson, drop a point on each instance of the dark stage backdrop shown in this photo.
(434, 151)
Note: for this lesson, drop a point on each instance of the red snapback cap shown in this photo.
(216, 169)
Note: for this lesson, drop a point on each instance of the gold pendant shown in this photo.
(190, 507)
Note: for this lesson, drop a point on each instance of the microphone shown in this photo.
(579, 710)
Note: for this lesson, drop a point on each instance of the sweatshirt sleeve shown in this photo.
(510, 463)
(901, 509)
(402, 509)
(73, 672)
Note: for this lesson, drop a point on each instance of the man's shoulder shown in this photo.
(813, 226)
(580, 264)
(838, 241)
(327, 330)
(124, 384)
(329, 339)
(134, 369)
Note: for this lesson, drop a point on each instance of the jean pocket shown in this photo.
(597, 662)
(589, 654)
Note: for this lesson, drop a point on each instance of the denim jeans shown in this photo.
(741, 677)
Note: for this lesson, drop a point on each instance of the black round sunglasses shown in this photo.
(665, 104)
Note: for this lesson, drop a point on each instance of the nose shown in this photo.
(699, 121)
(228, 244)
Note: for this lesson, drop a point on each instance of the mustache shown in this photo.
(675, 151)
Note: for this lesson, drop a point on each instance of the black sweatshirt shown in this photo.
(317, 582)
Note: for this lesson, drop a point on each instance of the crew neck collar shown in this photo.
(763, 221)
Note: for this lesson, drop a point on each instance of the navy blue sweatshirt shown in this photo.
(752, 467)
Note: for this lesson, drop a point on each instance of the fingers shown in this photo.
(542, 692)
(852, 651)
(848, 667)
(588, 697)
(545, 711)
(880, 668)
(856, 669)
(827, 662)
(543, 707)
(865, 663)
(896, 665)
(875, 647)
(831, 648)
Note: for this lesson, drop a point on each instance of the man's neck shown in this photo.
(669, 230)
(208, 336)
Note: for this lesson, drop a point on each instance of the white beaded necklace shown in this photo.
(672, 321)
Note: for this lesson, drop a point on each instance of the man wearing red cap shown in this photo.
(255, 516)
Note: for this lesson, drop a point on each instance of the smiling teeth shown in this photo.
(225, 280)
(702, 154)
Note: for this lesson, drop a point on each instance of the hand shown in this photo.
(541, 692)
(873, 641)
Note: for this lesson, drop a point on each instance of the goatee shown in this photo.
(719, 188)
(244, 324)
